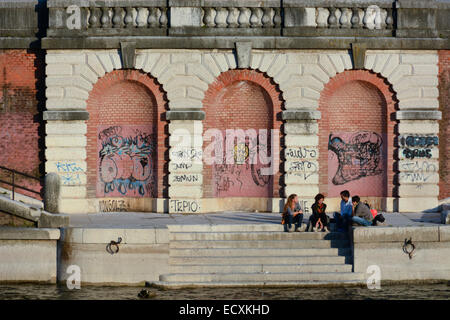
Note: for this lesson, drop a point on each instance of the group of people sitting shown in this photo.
(352, 211)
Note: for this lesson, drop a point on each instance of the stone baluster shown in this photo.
(322, 17)
(256, 17)
(163, 20)
(355, 19)
(221, 18)
(244, 17)
(209, 17)
(153, 18)
(378, 21)
(277, 18)
(346, 15)
(105, 19)
(117, 18)
(389, 19)
(332, 20)
(128, 17)
(266, 18)
(233, 16)
(141, 19)
(94, 18)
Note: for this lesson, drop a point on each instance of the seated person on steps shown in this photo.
(319, 220)
(292, 213)
(361, 212)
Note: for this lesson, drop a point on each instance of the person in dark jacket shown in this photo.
(361, 212)
(319, 220)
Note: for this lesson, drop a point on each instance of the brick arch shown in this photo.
(134, 102)
(254, 100)
(352, 101)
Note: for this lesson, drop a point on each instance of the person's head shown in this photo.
(345, 195)
(319, 198)
(290, 201)
(355, 200)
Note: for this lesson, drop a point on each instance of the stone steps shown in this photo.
(231, 260)
(256, 284)
(267, 244)
(256, 254)
(274, 268)
(262, 276)
(266, 235)
(252, 252)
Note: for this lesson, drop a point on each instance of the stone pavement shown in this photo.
(159, 220)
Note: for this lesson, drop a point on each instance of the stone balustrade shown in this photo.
(243, 17)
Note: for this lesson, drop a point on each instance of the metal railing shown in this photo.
(14, 185)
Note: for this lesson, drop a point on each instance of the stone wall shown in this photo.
(384, 247)
(299, 75)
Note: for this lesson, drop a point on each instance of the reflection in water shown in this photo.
(60, 292)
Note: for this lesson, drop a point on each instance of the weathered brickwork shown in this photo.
(125, 108)
(242, 99)
(300, 79)
(21, 75)
(356, 135)
(444, 125)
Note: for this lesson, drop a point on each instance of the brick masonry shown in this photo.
(21, 97)
(444, 125)
(125, 108)
(241, 99)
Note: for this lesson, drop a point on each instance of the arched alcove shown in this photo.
(356, 135)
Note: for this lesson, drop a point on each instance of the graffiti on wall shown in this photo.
(184, 206)
(244, 177)
(126, 161)
(353, 157)
(70, 173)
(418, 171)
(418, 146)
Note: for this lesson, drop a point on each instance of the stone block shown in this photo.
(418, 127)
(301, 127)
(301, 140)
(19, 209)
(391, 64)
(395, 234)
(186, 126)
(65, 141)
(411, 190)
(416, 204)
(301, 114)
(175, 167)
(65, 115)
(54, 92)
(73, 192)
(162, 235)
(66, 103)
(65, 128)
(185, 192)
(243, 53)
(14, 233)
(52, 220)
(187, 179)
(419, 177)
(75, 80)
(303, 191)
(316, 71)
(423, 58)
(419, 104)
(57, 153)
(444, 231)
(292, 178)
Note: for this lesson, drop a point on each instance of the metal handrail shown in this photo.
(13, 183)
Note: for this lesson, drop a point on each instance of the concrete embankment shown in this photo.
(252, 250)
(385, 247)
(28, 254)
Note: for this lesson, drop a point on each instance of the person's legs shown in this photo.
(361, 221)
(288, 223)
(312, 223)
(339, 221)
(298, 219)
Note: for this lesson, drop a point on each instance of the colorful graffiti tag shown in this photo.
(352, 157)
(126, 161)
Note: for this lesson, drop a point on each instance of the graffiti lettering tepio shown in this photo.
(359, 158)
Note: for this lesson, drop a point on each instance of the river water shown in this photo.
(440, 291)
